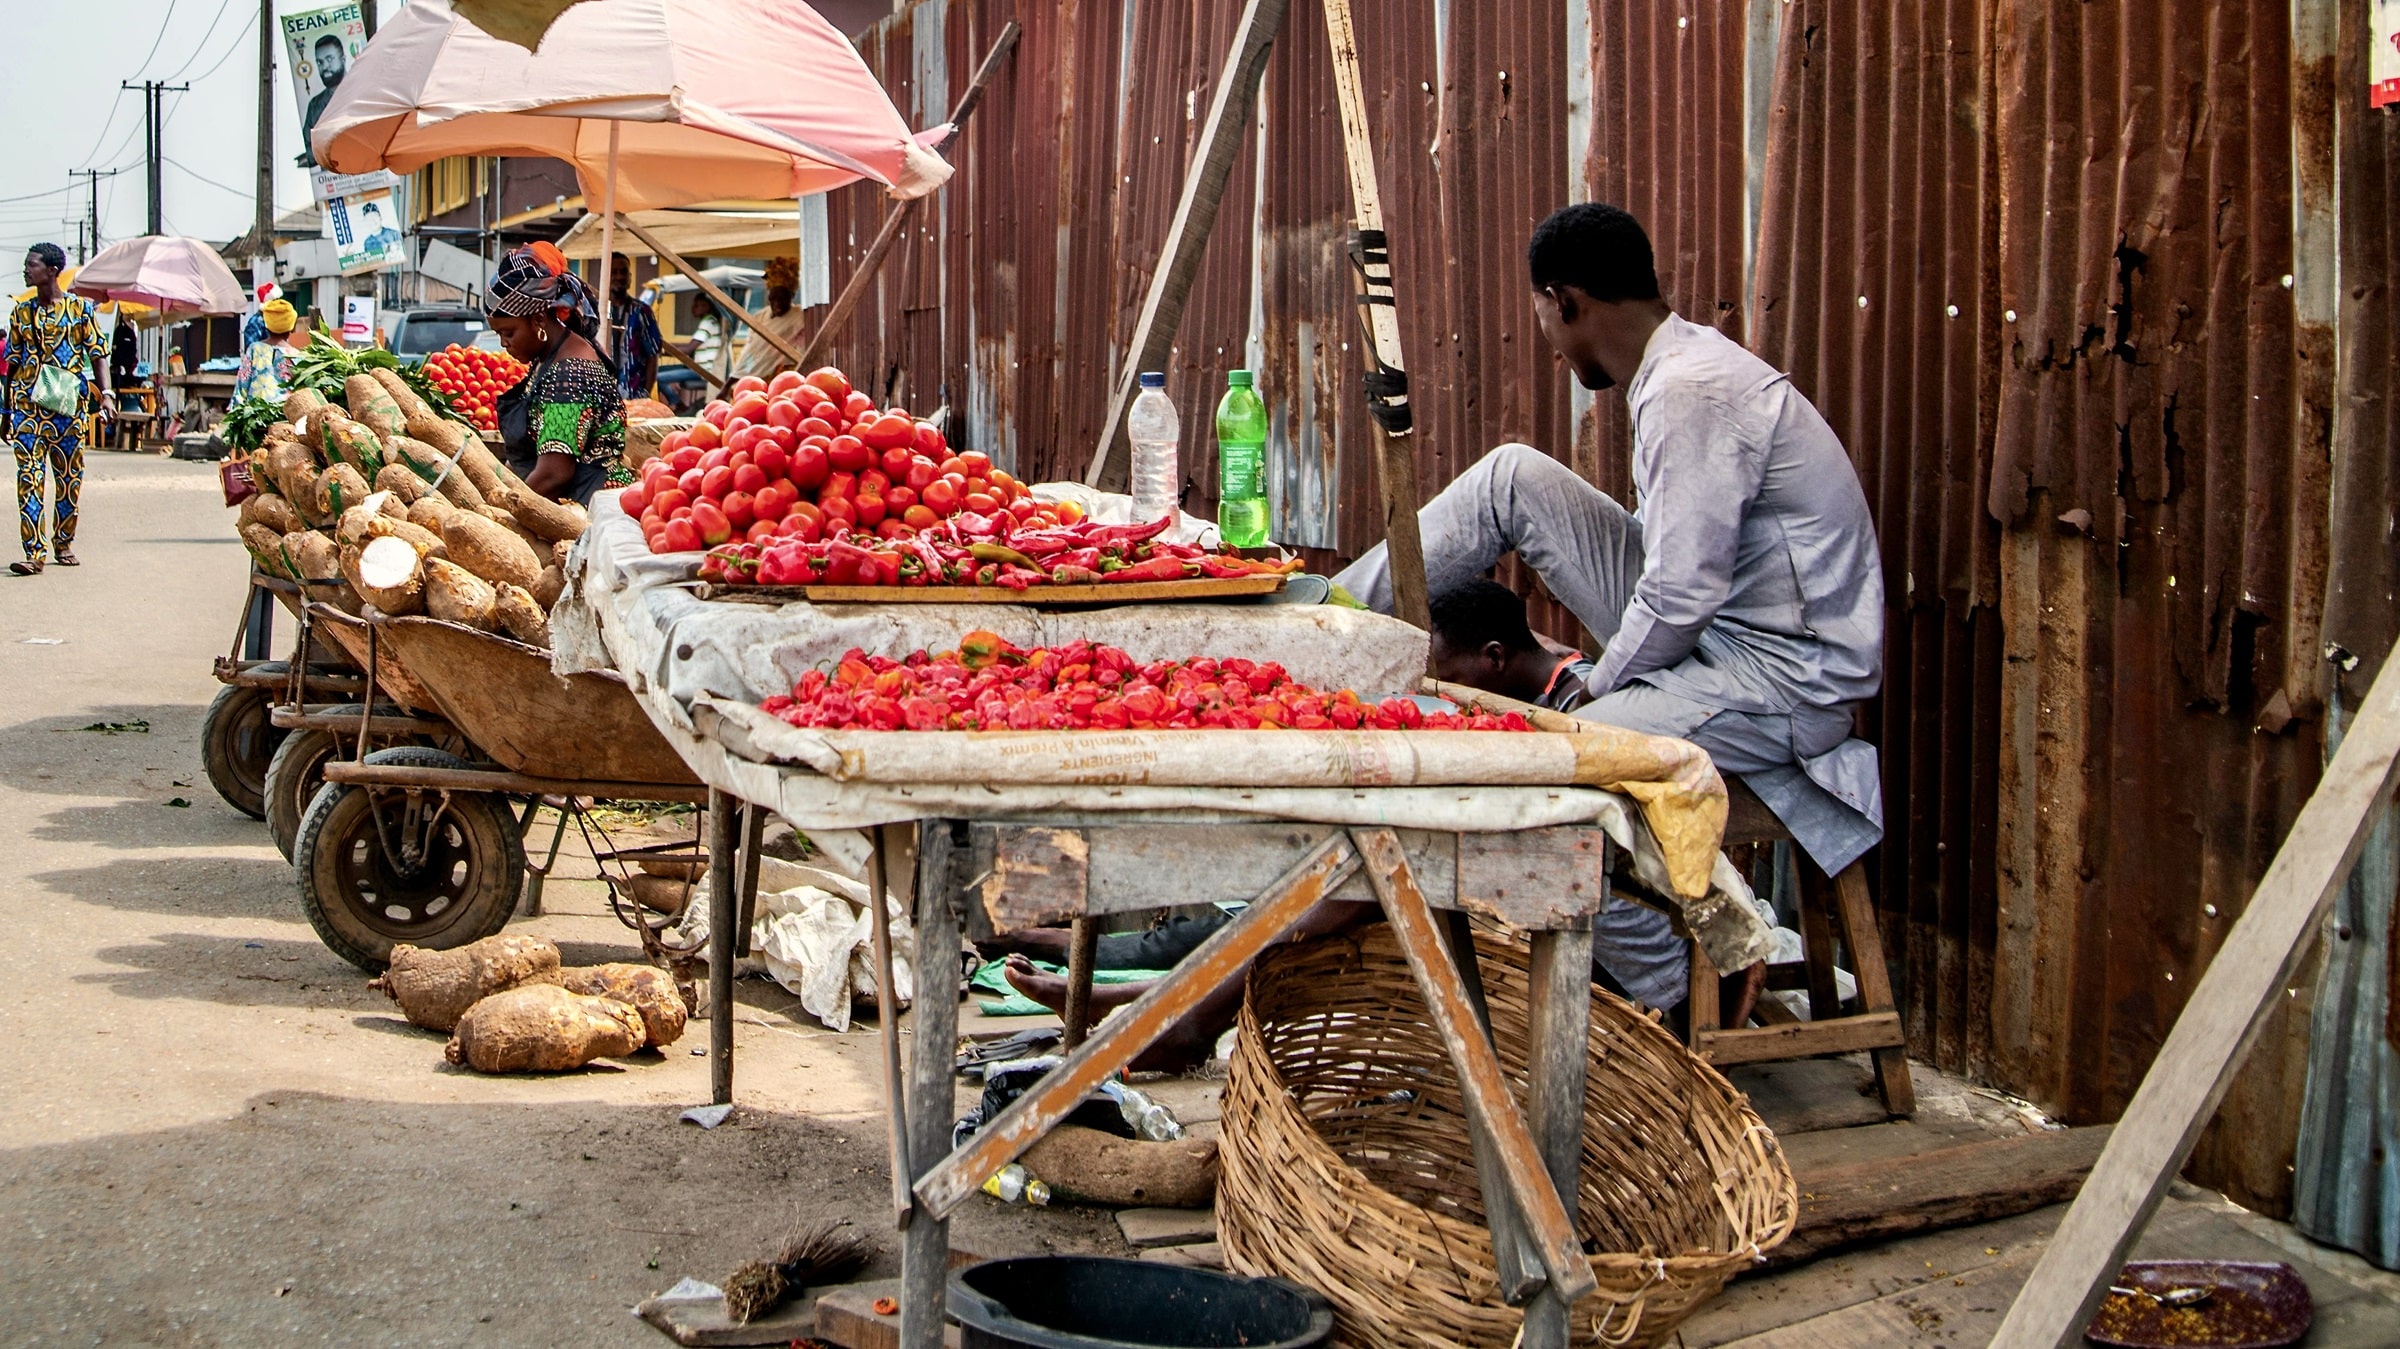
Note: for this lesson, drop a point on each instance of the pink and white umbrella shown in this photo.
(670, 101)
(179, 277)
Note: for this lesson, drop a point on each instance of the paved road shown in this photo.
(214, 1134)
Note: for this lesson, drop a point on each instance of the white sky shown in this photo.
(62, 110)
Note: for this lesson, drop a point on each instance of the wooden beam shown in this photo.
(1860, 1202)
(1559, 1054)
(895, 217)
(2228, 1007)
(721, 940)
(1195, 217)
(1797, 1039)
(733, 309)
(932, 1094)
(1379, 315)
(692, 363)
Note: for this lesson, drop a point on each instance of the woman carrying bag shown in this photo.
(53, 340)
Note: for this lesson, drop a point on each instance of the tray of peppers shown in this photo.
(978, 559)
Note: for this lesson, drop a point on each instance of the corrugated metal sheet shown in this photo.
(2028, 257)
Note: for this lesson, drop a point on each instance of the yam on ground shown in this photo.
(430, 510)
(543, 1028)
(374, 407)
(300, 402)
(440, 432)
(266, 549)
(401, 481)
(647, 989)
(425, 541)
(520, 617)
(437, 468)
(435, 988)
(669, 895)
(388, 574)
(547, 587)
(456, 595)
(1099, 1168)
(313, 555)
(483, 547)
(338, 489)
(410, 404)
(273, 511)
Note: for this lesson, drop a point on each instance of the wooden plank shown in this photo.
(1123, 592)
(1865, 944)
(722, 940)
(2194, 1067)
(925, 1254)
(887, 1020)
(1210, 864)
(1202, 1255)
(1220, 959)
(846, 1315)
(1842, 1035)
(1147, 1227)
(1083, 947)
(1038, 875)
(1800, 1096)
(1490, 1108)
(733, 308)
(1195, 215)
(1557, 1060)
(1519, 1266)
(1534, 879)
(1853, 1204)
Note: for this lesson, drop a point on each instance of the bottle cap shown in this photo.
(1154, 379)
(1237, 379)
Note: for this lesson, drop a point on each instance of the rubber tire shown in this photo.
(237, 742)
(491, 850)
(303, 753)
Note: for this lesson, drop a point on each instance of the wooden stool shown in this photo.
(1875, 1026)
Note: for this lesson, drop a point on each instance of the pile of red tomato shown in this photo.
(474, 379)
(990, 685)
(809, 457)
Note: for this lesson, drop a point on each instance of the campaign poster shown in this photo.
(319, 46)
(358, 320)
(2383, 54)
(365, 230)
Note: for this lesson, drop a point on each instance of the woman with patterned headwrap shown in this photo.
(266, 366)
(562, 426)
(759, 356)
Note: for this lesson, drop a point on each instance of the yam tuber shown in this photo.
(508, 522)
(350, 442)
(338, 489)
(388, 574)
(401, 481)
(520, 617)
(313, 556)
(440, 433)
(430, 510)
(425, 541)
(438, 469)
(488, 550)
(559, 551)
(543, 1028)
(1100, 1168)
(547, 587)
(266, 549)
(435, 988)
(270, 509)
(352, 527)
(456, 595)
(300, 402)
(374, 407)
(647, 989)
(483, 469)
(405, 397)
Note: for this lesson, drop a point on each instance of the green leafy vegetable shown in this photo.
(246, 422)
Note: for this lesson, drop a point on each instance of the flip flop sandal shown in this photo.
(67, 559)
(25, 568)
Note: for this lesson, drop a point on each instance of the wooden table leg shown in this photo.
(1874, 984)
(722, 937)
(1485, 1089)
(925, 1245)
(887, 1017)
(1560, 1004)
(1519, 1268)
(753, 831)
(1081, 952)
(1219, 960)
(1700, 1011)
(1816, 933)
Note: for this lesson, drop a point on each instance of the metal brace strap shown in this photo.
(1386, 385)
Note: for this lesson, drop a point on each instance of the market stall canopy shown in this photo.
(712, 99)
(178, 276)
(751, 234)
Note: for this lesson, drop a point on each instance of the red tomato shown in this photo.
(982, 503)
(894, 529)
(954, 465)
(680, 537)
(716, 482)
(811, 398)
(707, 435)
(717, 413)
(941, 496)
(749, 438)
(929, 440)
(785, 383)
(837, 485)
(920, 517)
(890, 433)
(783, 436)
(785, 412)
(690, 480)
(838, 510)
(833, 382)
(977, 463)
(752, 405)
(685, 459)
(808, 467)
(870, 510)
(806, 519)
(775, 459)
(738, 512)
(632, 499)
(1003, 484)
(712, 523)
(716, 458)
(978, 485)
(895, 462)
(1069, 512)
(857, 405)
(773, 503)
(747, 384)
(873, 482)
(899, 497)
(814, 426)
(749, 478)
(761, 531)
(849, 454)
(920, 472)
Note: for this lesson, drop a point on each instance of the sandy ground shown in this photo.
(214, 1134)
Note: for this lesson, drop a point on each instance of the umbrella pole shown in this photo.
(608, 235)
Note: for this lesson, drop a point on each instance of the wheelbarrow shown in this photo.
(316, 733)
(427, 846)
(238, 737)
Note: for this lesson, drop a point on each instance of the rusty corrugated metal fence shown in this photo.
(2037, 262)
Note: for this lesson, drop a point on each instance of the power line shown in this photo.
(234, 46)
(36, 196)
(105, 124)
(163, 25)
(202, 40)
(195, 173)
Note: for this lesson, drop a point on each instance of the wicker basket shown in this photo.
(1346, 1164)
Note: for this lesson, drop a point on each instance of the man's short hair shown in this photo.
(329, 40)
(1596, 248)
(52, 256)
(1470, 615)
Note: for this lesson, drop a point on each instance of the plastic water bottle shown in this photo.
(1147, 1118)
(1151, 426)
(1241, 464)
(1013, 1184)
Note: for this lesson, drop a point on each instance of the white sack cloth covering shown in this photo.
(817, 939)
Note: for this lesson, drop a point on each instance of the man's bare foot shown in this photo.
(1738, 993)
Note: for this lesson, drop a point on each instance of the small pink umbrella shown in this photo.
(172, 274)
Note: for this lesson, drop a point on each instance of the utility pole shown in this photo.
(262, 229)
(366, 17)
(93, 176)
(153, 92)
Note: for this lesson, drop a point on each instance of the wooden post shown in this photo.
(887, 1017)
(1082, 951)
(733, 310)
(1195, 217)
(1558, 1050)
(692, 363)
(925, 1246)
(1378, 314)
(723, 872)
(1513, 1256)
(895, 219)
(2215, 1031)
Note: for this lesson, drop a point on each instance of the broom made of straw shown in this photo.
(810, 1255)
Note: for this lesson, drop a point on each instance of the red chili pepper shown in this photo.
(1156, 569)
(1122, 535)
(1015, 577)
(1067, 574)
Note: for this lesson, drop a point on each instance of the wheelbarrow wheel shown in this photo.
(298, 770)
(237, 741)
(364, 899)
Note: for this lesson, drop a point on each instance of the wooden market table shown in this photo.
(1549, 881)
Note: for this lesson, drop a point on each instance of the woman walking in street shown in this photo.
(53, 340)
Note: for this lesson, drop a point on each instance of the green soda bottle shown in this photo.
(1241, 464)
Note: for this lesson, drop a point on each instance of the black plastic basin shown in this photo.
(1093, 1302)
